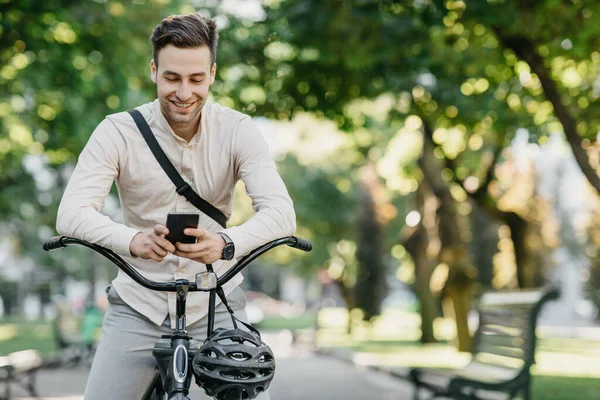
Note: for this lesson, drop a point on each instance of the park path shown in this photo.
(301, 374)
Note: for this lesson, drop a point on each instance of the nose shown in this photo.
(184, 92)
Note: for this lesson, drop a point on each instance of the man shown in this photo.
(212, 147)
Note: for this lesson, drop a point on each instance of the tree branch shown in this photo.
(524, 48)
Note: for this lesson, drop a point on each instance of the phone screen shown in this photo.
(177, 222)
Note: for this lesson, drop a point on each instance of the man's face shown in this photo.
(182, 79)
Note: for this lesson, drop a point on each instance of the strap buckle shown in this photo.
(184, 188)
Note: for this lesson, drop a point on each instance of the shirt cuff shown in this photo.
(122, 239)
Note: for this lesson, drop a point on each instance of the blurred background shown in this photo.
(434, 149)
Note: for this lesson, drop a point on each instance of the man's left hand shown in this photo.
(207, 249)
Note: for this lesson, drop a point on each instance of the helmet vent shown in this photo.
(263, 358)
(207, 367)
(237, 374)
(239, 356)
(265, 371)
(209, 353)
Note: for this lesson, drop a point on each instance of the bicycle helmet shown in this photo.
(234, 363)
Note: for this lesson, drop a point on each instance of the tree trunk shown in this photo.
(457, 304)
(525, 49)
(517, 225)
(8, 295)
(453, 249)
(518, 233)
(370, 288)
(416, 246)
(484, 243)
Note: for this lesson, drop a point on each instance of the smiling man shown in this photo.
(212, 147)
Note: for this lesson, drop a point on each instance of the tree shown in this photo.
(452, 75)
(557, 41)
(65, 65)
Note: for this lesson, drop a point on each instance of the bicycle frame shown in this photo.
(174, 353)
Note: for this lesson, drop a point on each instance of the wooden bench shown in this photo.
(502, 354)
(19, 368)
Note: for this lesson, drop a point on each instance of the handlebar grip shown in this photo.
(302, 244)
(54, 243)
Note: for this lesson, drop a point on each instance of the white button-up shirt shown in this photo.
(227, 147)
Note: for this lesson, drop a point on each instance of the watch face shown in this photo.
(228, 251)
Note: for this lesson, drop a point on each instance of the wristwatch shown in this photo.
(229, 249)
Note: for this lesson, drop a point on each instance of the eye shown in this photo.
(170, 79)
(196, 82)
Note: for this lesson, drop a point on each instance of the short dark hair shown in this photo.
(185, 31)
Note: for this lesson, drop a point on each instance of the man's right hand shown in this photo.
(152, 245)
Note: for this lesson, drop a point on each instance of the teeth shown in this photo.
(182, 105)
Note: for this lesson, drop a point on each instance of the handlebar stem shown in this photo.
(181, 289)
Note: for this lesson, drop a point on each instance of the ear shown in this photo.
(153, 71)
(213, 72)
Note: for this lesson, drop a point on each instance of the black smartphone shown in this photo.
(177, 222)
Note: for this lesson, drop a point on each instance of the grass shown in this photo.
(303, 321)
(548, 387)
(18, 333)
(564, 369)
(567, 368)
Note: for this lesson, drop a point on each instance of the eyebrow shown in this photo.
(196, 74)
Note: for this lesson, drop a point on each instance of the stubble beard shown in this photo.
(173, 117)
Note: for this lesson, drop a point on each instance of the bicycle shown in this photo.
(234, 371)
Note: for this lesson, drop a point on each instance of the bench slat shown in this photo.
(514, 298)
(503, 351)
(518, 318)
(504, 330)
(484, 372)
(25, 360)
(517, 342)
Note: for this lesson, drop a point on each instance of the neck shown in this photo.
(187, 130)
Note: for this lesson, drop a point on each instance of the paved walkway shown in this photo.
(300, 375)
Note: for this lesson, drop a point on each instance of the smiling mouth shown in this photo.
(182, 105)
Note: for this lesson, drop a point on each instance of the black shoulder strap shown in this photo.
(183, 188)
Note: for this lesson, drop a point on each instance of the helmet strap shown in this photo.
(221, 295)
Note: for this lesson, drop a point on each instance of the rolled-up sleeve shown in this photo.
(79, 210)
(275, 216)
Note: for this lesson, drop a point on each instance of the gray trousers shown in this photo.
(123, 366)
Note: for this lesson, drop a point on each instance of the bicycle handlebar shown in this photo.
(58, 242)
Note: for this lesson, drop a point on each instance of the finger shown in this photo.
(165, 244)
(152, 246)
(157, 249)
(185, 254)
(161, 241)
(203, 257)
(180, 253)
(191, 247)
(199, 232)
(150, 254)
(161, 230)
